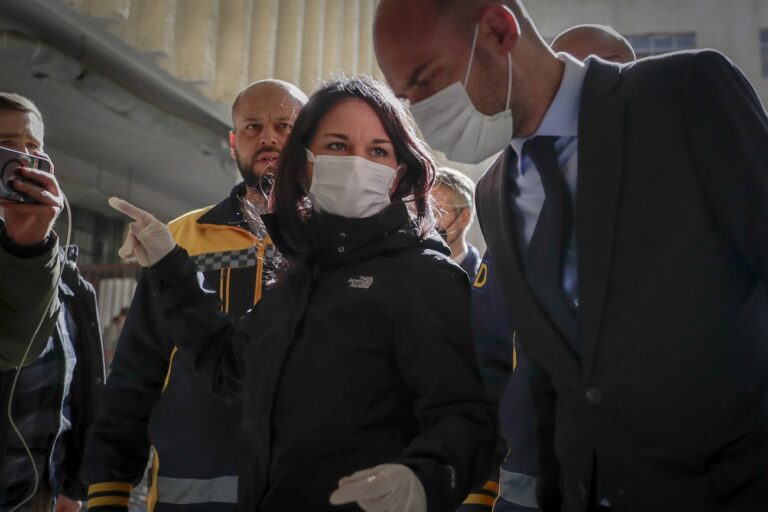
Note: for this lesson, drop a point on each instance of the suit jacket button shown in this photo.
(593, 395)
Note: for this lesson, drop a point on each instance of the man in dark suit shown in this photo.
(627, 219)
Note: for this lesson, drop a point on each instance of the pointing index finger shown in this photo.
(128, 209)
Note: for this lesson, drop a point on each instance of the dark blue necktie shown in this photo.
(546, 252)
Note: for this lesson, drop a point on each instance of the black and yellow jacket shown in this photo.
(153, 398)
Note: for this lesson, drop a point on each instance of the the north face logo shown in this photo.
(363, 282)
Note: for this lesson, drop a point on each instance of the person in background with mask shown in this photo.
(454, 195)
(581, 41)
(646, 326)
(342, 400)
(154, 396)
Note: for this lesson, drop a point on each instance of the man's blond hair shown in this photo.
(461, 185)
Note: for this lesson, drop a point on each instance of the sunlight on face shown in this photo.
(352, 128)
(446, 201)
(21, 131)
(262, 122)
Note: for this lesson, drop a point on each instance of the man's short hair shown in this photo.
(620, 43)
(464, 12)
(291, 90)
(19, 103)
(460, 184)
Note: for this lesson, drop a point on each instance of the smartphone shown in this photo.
(10, 161)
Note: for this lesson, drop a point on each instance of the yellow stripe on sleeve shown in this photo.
(479, 499)
(109, 487)
(108, 501)
(491, 486)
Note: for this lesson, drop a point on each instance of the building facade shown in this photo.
(136, 93)
(738, 28)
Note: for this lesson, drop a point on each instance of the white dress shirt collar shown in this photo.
(562, 117)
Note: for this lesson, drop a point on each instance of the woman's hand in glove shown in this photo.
(385, 488)
(148, 240)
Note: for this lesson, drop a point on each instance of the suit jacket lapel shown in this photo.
(600, 149)
(538, 334)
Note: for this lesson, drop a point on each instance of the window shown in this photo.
(97, 236)
(656, 44)
(764, 51)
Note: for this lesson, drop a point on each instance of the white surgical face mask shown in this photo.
(452, 124)
(349, 186)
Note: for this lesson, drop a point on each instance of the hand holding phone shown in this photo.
(12, 164)
(30, 197)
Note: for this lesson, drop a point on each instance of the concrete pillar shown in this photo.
(112, 10)
(365, 56)
(313, 45)
(194, 55)
(225, 44)
(263, 40)
(334, 13)
(351, 36)
(375, 71)
(232, 49)
(150, 27)
(289, 40)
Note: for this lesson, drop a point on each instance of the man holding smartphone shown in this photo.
(53, 397)
(28, 246)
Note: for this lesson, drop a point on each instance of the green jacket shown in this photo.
(28, 278)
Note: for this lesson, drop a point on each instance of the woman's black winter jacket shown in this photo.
(360, 355)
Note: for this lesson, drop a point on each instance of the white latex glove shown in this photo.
(148, 240)
(385, 488)
(64, 504)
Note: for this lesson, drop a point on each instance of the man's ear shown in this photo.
(502, 25)
(465, 217)
(232, 144)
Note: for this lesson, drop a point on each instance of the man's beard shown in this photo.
(260, 182)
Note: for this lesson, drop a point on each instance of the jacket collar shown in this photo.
(335, 240)
(228, 211)
(562, 116)
(601, 155)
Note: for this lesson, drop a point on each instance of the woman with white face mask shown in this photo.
(356, 370)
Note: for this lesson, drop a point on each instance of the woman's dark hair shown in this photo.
(289, 200)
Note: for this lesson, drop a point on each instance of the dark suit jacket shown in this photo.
(670, 391)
